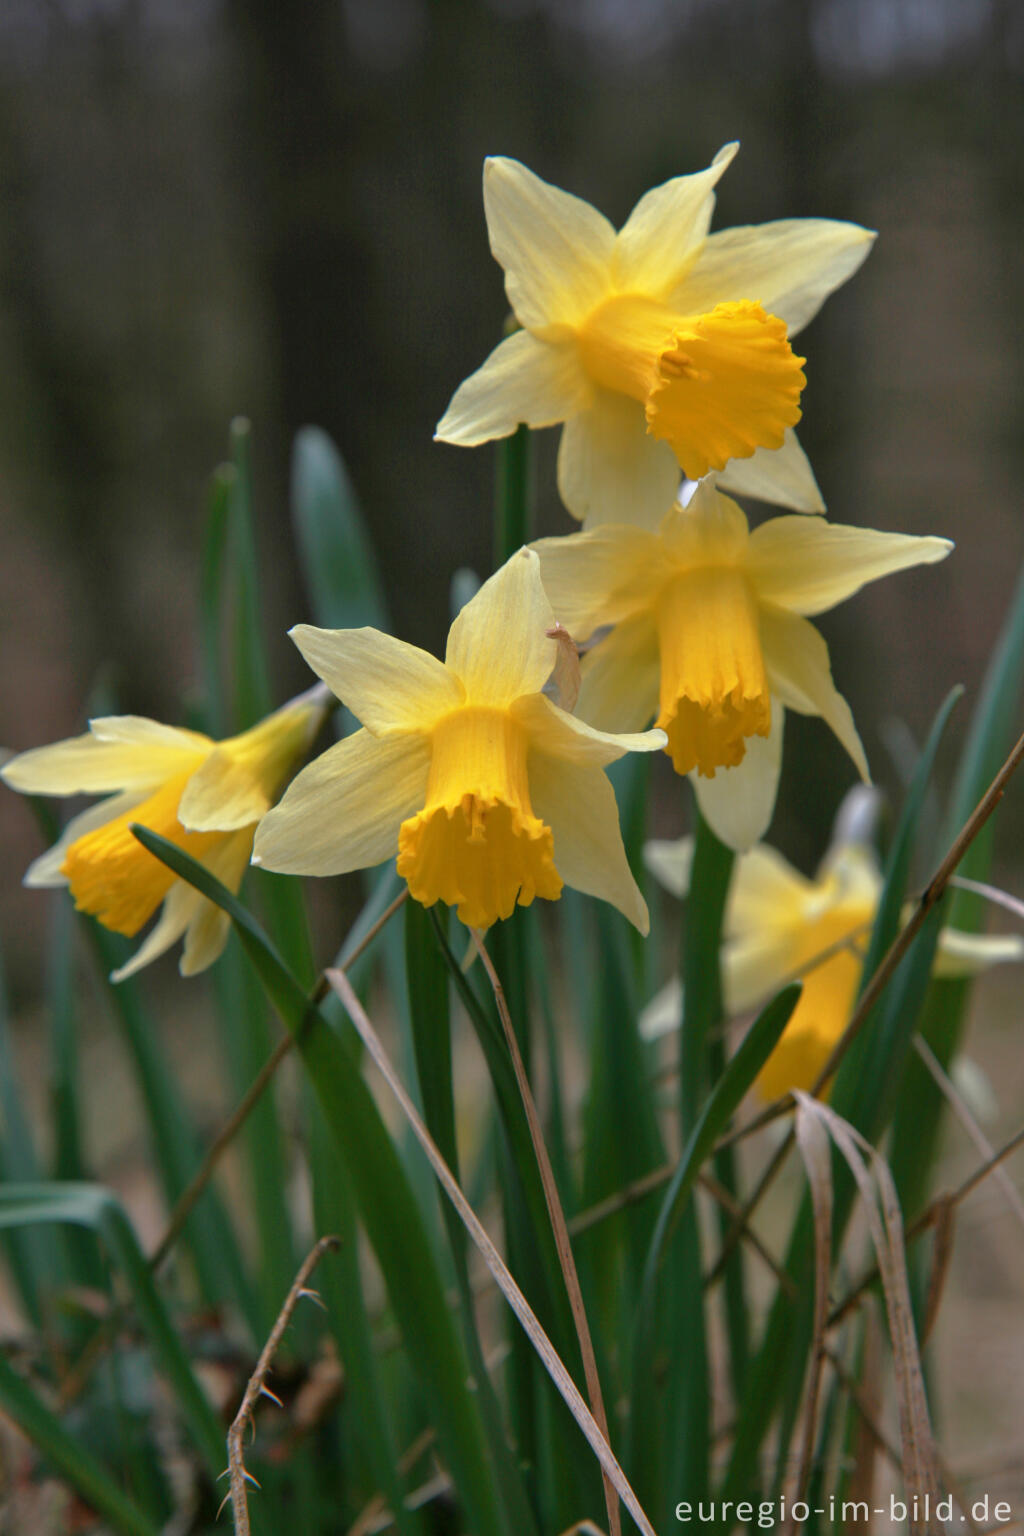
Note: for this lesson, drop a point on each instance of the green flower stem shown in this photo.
(512, 511)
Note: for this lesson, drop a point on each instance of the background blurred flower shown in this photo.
(781, 926)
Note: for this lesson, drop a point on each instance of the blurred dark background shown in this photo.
(211, 208)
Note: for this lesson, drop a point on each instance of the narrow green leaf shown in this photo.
(547, 1288)
(341, 1285)
(253, 697)
(211, 595)
(428, 990)
(68, 1158)
(919, 1115)
(208, 1234)
(877, 1057)
(389, 1212)
(247, 1040)
(230, 606)
(647, 1425)
(737, 1079)
(700, 969)
(621, 1137)
(687, 1407)
(91, 1206)
(37, 1264)
(563, 1464)
(68, 1458)
(337, 559)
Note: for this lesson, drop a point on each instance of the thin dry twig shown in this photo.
(495, 1263)
(959, 1107)
(556, 1216)
(942, 1253)
(931, 894)
(927, 1218)
(258, 1388)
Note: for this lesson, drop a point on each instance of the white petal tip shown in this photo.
(727, 153)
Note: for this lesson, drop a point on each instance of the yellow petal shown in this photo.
(709, 530)
(121, 752)
(559, 734)
(766, 892)
(524, 380)
(46, 871)
(663, 236)
(477, 844)
(619, 688)
(241, 778)
(601, 576)
(755, 967)
(610, 470)
(498, 647)
(782, 476)
(344, 810)
(791, 266)
(210, 926)
(797, 660)
(386, 683)
(578, 804)
(205, 938)
(738, 803)
(556, 249)
(829, 993)
(809, 567)
(180, 907)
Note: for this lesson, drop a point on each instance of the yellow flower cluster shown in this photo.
(664, 351)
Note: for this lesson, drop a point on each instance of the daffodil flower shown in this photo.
(486, 790)
(711, 632)
(780, 926)
(205, 796)
(662, 348)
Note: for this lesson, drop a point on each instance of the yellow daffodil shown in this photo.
(779, 925)
(662, 348)
(711, 632)
(486, 790)
(205, 796)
